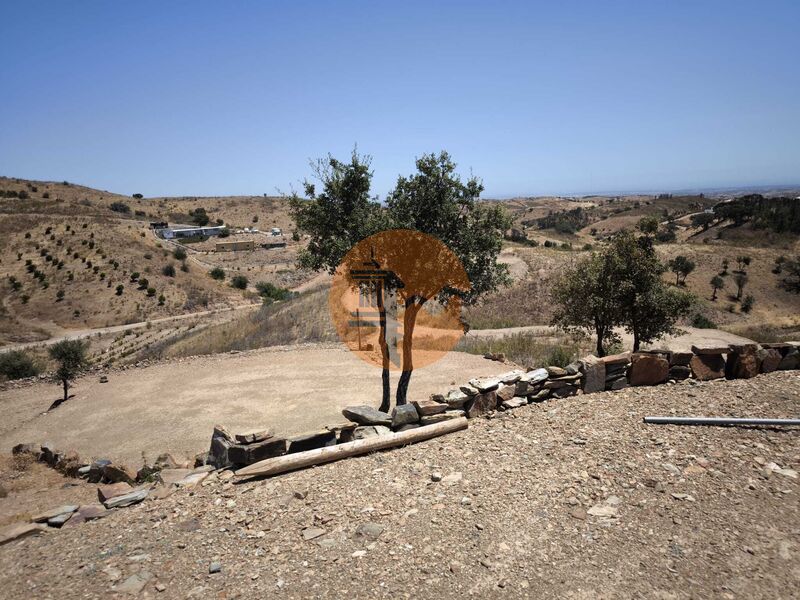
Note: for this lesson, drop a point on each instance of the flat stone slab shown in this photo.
(192, 479)
(511, 376)
(54, 512)
(368, 431)
(19, 531)
(134, 584)
(129, 499)
(253, 436)
(106, 492)
(616, 359)
(87, 512)
(366, 415)
(515, 402)
(535, 376)
(717, 349)
(456, 399)
(173, 476)
(445, 416)
(485, 384)
(59, 520)
(429, 407)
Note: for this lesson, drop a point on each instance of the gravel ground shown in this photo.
(572, 498)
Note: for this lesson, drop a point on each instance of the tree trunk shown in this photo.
(599, 332)
(65, 382)
(409, 321)
(714, 295)
(635, 341)
(387, 392)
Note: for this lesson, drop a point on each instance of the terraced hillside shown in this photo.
(74, 258)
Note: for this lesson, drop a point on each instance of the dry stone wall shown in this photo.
(485, 395)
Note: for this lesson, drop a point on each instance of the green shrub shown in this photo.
(747, 303)
(179, 253)
(239, 282)
(217, 273)
(120, 207)
(703, 322)
(560, 357)
(270, 292)
(168, 270)
(15, 364)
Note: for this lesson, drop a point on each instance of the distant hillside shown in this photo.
(65, 249)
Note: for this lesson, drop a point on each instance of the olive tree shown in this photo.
(620, 286)
(717, 283)
(337, 217)
(585, 299)
(681, 266)
(71, 358)
(435, 201)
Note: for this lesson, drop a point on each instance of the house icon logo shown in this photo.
(395, 300)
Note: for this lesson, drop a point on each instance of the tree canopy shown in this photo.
(434, 200)
(620, 286)
(71, 358)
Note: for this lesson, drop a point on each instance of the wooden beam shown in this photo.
(318, 456)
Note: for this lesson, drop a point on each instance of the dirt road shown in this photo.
(683, 342)
(79, 334)
(172, 407)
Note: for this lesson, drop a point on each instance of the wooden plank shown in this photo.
(318, 456)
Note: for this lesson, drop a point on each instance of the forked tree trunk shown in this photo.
(387, 392)
(409, 321)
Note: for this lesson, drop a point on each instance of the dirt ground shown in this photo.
(572, 498)
(173, 406)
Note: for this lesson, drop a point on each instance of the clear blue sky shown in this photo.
(201, 98)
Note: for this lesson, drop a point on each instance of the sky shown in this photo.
(219, 98)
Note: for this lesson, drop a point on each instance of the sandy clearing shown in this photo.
(173, 406)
